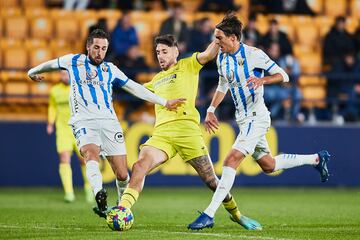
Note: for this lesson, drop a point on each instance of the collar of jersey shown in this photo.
(171, 68)
(241, 46)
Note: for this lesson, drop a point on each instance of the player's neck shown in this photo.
(235, 48)
(170, 66)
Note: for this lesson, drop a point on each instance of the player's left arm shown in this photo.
(262, 61)
(48, 66)
(209, 54)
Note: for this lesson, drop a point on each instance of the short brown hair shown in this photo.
(231, 25)
(96, 33)
(167, 39)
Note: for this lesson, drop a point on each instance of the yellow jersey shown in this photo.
(59, 110)
(179, 81)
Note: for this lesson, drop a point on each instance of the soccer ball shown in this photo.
(120, 218)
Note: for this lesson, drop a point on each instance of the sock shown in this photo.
(121, 186)
(86, 182)
(66, 177)
(225, 184)
(94, 175)
(129, 197)
(286, 161)
(232, 208)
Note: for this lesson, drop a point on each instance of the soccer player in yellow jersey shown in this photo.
(59, 115)
(177, 131)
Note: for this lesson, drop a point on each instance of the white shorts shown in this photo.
(251, 139)
(105, 133)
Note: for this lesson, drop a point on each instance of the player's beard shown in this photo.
(93, 62)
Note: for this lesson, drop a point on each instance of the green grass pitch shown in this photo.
(163, 213)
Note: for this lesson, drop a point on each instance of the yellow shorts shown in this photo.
(183, 137)
(65, 141)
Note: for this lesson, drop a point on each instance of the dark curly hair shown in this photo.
(231, 25)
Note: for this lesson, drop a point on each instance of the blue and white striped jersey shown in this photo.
(235, 69)
(91, 87)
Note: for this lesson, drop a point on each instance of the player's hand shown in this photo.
(36, 78)
(255, 82)
(211, 123)
(50, 128)
(175, 103)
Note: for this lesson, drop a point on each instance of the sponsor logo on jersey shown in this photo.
(170, 79)
(104, 68)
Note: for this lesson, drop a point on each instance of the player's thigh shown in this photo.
(112, 138)
(118, 164)
(190, 147)
(159, 142)
(86, 133)
(64, 140)
(149, 158)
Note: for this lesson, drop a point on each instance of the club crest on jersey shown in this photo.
(240, 61)
(104, 68)
(91, 74)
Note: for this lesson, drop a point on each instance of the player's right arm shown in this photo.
(51, 113)
(49, 66)
(143, 93)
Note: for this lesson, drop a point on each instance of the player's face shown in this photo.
(97, 50)
(226, 43)
(166, 55)
(64, 77)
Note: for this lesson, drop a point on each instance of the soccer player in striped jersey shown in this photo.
(93, 119)
(241, 70)
(59, 115)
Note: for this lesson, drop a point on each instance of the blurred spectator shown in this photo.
(149, 5)
(201, 35)
(100, 4)
(357, 40)
(251, 35)
(123, 37)
(286, 98)
(283, 6)
(274, 35)
(218, 6)
(76, 4)
(336, 43)
(344, 86)
(176, 26)
(131, 64)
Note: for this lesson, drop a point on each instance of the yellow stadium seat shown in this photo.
(335, 7)
(60, 47)
(35, 43)
(355, 8)
(31, 13)
(310, 63)
(42, 88)
(84, 26)
(324, 24)
(262, 23)
(70, 32)
(41, 27)
(16, 27)
(10, 12)
(316, 5)
(7, 76)
(157, 17)
(9, 4)
(15, 58)
(307, 35)
(301, 20)
(314, 96)
(39, 55)
(59, 13)
(300, 49)
(112, 17)
(17, 92)
(1, 28)
(352, 24)
(10, 43)
(311, 81)
(33, 3)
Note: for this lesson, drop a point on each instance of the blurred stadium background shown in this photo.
(316, 41)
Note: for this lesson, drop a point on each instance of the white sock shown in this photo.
(286, 161)
(223, 188)
(121, 186)
(94, 175)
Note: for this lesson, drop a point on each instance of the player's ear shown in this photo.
(176, 52)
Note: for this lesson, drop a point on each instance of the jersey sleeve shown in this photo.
(119, 79)
(51, 108)
(192, 63)
(262, 60)
(65, 62)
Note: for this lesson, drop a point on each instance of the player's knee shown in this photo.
(121, 175)
(234, 159)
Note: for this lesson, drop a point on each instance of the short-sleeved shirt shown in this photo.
(235, 69)
(179, 81)
(91, 87)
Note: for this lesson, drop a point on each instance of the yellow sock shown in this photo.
(86, 182)
(129, 197)
(66, 177)
(232, 208)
